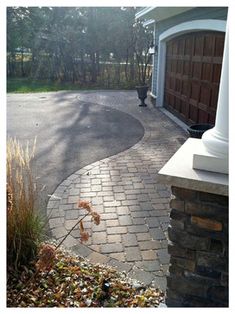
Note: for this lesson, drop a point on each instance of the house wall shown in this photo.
(218, 13)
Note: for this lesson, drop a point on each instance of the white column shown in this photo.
(214, 151)
(153, 60)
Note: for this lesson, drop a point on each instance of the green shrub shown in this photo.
(24, 225)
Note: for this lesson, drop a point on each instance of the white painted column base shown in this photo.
(204, 160)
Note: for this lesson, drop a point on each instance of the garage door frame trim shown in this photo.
(182, 28)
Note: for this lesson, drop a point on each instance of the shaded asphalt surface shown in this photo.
(70, 134)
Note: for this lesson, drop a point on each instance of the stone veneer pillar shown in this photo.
(198, 232)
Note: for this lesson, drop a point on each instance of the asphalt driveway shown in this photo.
(71, 133)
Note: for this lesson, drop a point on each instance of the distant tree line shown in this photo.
(85, 45)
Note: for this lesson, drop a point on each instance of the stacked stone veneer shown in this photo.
(198, 234)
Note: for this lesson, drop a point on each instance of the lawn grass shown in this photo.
(26, 85)
(35, 86)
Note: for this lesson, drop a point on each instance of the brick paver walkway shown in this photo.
(125, 190)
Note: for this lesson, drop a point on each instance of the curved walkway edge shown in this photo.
(125, 191)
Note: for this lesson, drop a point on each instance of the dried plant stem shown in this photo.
(65, 237)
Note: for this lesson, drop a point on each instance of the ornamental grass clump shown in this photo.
(24, 226)
(46, 257)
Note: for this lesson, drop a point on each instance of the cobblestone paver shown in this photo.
(125, 191)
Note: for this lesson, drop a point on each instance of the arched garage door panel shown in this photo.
(193, 67)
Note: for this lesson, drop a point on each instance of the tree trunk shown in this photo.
(132, 68)
(92, 37)
(33, 66)
(97, 63)
(83, 68)
(93, 68)
(117, 72)
(10, 67)
(22, 63)
(126, 66)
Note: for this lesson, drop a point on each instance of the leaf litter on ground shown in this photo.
(75, 282)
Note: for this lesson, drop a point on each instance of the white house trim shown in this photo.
(148, 22)
(143, 12)
(160, 13)
(186, 27)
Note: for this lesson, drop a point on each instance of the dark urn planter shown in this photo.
(197, 130)
(142, 94)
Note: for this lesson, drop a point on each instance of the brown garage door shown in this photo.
(193, 67)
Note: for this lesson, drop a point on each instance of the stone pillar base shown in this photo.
(198, 233)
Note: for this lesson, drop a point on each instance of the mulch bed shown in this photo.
(75, 282)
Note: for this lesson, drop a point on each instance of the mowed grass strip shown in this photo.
(34, 86)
